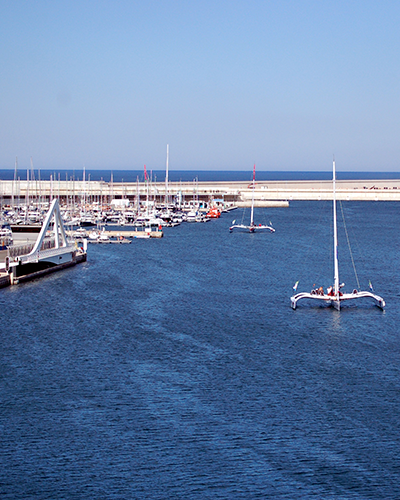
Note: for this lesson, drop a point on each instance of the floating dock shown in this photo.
(134, 234)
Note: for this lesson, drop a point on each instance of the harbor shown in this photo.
(117, 212)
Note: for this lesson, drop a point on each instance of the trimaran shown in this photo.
(334, 296)
(252, 228)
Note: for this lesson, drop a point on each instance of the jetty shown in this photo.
(137, 233)
(238, 193)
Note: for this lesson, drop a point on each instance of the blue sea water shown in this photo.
(191, 175)
(176, 368)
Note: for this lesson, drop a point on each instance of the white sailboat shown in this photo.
(333, 296)
(252, 228)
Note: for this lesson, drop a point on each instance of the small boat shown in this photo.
(191, 216)
(6, 236)
(334, 296)
(213, 213)
(252, 228)
(80, 233)
(121, 240)
(94, 234)
(103, 237)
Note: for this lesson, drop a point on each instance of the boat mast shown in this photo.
(335, 242)
(14, 184)
(252, 199)
(137, 197)
(147, 191)
(84, 189)
(166, 178)
(27, 195)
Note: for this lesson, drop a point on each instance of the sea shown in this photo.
(175, 368)
(189, 175)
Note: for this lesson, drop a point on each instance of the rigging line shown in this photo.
(360, 259)
(348, 243)
(244, 211)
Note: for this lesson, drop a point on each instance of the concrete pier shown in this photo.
(232, 192)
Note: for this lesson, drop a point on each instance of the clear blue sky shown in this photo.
(283, 84)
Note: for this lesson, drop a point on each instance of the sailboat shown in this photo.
(333, 296)
(252, 228)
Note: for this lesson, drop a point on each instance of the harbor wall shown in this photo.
(235, 191)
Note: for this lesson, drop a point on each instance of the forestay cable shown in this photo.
(348, 243)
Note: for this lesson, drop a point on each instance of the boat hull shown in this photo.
(335, 302)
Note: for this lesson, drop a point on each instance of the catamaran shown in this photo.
(252, 228)
(333, 296)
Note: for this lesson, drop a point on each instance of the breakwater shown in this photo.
(237, 192)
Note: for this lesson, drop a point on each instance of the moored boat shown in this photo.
(213, 213)
(6, 236)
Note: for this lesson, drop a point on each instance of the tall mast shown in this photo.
(14, 185)
(335, 242)
(84, 189)
(252, 199)
(147, 190)
(27, 191)
(166, 178)
(137, 197)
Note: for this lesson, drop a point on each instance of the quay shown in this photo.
(238, 193)
(137, 233)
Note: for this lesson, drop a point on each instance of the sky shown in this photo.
(287, 84)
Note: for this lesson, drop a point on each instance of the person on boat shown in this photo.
(330, 291)
(320, 290)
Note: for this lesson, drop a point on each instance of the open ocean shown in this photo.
(190, 175)
(175, 368)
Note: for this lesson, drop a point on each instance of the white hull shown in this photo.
(336, 301)
(251, 229)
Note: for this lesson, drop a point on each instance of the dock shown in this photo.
(137, 233)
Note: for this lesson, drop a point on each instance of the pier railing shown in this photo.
(47, 250)
(45, 254)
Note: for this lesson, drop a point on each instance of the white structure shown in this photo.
(42, 254)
